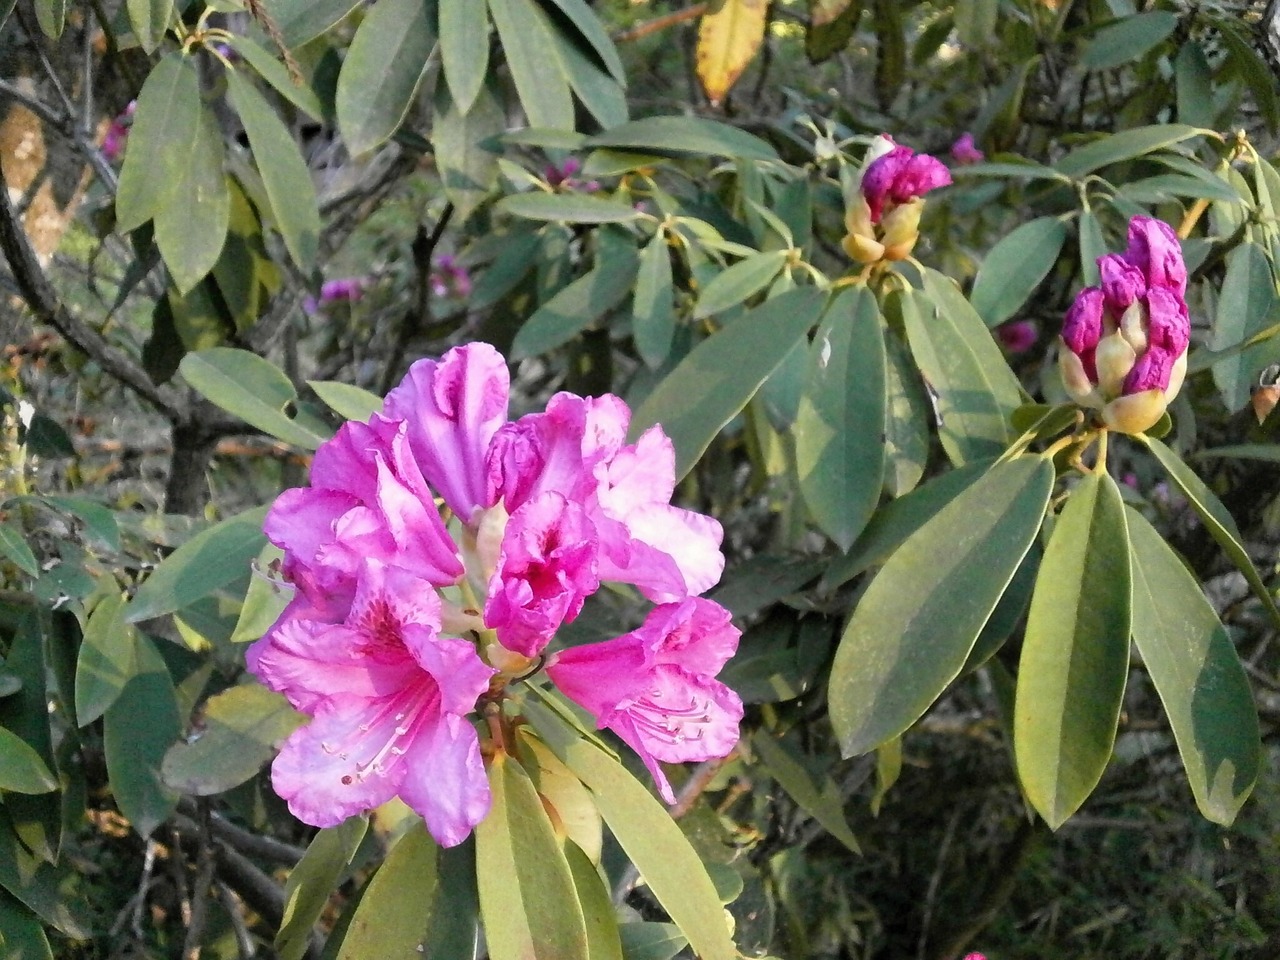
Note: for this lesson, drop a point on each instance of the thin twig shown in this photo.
(647, 27)
(65, 127)
(200, 891)
(234, 908)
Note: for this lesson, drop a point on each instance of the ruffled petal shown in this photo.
(444, 778)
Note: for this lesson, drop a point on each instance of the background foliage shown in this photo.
(648, 198)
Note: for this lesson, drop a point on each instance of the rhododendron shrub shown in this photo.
(409, 610)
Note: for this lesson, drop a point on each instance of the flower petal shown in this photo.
(444, 778)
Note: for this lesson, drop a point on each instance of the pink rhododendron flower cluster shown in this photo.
(1124, 343)
(883, 216)
(436, 553)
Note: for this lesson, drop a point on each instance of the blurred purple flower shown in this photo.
(344, 289)
(964, 151)
(564, 176)
(1018, 336)
(449, 278)
(117, 133)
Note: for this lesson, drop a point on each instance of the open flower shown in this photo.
(655, 687)
(1124, 343)
(439, 544)
(883, 216)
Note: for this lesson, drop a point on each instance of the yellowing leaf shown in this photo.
(729, 35)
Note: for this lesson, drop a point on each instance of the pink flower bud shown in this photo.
(1019, 336)
(963, 151)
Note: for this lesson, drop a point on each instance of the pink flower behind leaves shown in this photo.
(655, 687)
(1018, 336)
(963, 151)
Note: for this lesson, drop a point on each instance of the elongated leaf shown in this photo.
(240, 730)
(1246, 451)
(21, 936)
(14, 546)
(589, 27)
(603, 941)
(468, 169)
(351, 402)
(191, 229)
(44, 889)
(527, 897)
(1014, 268)
(150, 20)
(653, 323)
(906, 424)
(108, 659)
(648, 835)
(819, 797)
(21, 769)
(312, 880)
(744, 279)
(570, 207)
(1217, 520)
(301, 95)
(975, 389)
(582, 302)
(1092, 246)
(1123, 146)
(1075, 658)
(976, 21)
(651, 941)
(1244, 307)
(1195, 670)
(602, 95)
(729, 35)
(253, 389)
(576, 810)
(52, 16)
(464, 48)
(695, 135)
(284, 172)
(1127, 39)
(138, 728)
(721, 374)
(303, 20)
(396, 912)
(208, 561)
(526, 35)
(1193, 77)
(384, 66)
(839, 429)
(913, 629)
(158, 150)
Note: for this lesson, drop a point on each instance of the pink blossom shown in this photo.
(1018, 336)
(963, 151)
(563, 176)
(900, 176)
(1125, 341)
(113, 140)
(388, 697)
(449, 278)
(655, 687)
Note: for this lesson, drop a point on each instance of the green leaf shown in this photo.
(383, 68)
(284, 173)
(150, 20)
(582, 302)
(347, 401)
(1216, 519)
(138, 728)
(25, 713)
(108, 659)
(191, 227)
(1075, 657)
(839, 428)
(913, 629)
(253, 389)
(831, 27)
(527, 898)
(1092, 246)
(1197, 674)
(14, 546)
(265, 599)
(1244, 306)
(819, 797)
(207, 562)
(21, 768)
(316, 876)
(300, 94)
(303, 20)
(896, 521)
(744, 279)
(1015, 267)
(569, 207)
(468, 169)
(1193, 81)
(653, 323)
(22, 937)
(651, 941)
(48, 891)
(647, 834)
(464, 48)
(906, 424)
(52, 16)
(749, 587)
(719, 376)
(603, 942)
(1123, 146)
(976, 22)
(1127, 39)
(603, 96)
(1269, 452)
(588, 25)
(528, 42)
(165, 124)
(240, 730)
(694, 135)
(975, 389)
(1170, 186)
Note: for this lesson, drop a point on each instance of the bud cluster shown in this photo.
(883, 216)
